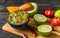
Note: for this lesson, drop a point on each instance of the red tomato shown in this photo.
(17, 22)
(23, 13)
(10, 17)
(21, 18)
(16, 14)
(27, 16)
(55, 21)
(49, 13)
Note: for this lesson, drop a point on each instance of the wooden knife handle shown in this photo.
(56, 33)
(57, 28)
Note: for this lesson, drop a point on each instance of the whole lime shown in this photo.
(57, 13)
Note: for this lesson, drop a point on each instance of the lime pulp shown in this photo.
(44, 29)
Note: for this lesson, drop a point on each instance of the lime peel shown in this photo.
(34, 11)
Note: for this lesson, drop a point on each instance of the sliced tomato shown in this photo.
(16, 14)
(17, 22)
(27, 16)
(21, 18)
(23, 13)
(10, 17)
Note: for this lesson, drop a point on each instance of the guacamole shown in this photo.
(18, 18)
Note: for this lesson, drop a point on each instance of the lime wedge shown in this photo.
(40, 19)
(44, 29)
(34, 11)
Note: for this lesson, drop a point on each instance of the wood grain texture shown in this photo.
(27, 32)
(20, 32)
(8, 28)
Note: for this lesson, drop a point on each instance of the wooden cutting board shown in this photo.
(28, 33)
(20, 32)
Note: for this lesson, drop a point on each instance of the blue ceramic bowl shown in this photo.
(19, 26)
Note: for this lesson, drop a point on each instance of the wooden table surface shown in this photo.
(3, 16)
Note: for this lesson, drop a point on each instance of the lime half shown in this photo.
(40, 19)
(44, 29)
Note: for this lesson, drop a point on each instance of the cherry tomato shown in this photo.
(49, 13)
(55, 21)
(10, 17)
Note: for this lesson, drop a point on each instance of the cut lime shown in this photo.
(40, 19)
(57, 14)
(44, 29)
(34, 11)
